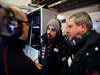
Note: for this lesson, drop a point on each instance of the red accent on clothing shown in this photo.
(5, 61)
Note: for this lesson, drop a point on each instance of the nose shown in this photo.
(48, 31)
(67, 30)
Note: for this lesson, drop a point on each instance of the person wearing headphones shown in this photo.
(13, 36)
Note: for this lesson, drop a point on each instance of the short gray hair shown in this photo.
(82, 17)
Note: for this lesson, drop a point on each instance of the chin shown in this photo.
(69, 38)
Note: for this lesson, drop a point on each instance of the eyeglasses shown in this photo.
(18, 21)
(22, 21)
(51, 29)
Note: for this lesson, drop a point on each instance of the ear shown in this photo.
(84, 26)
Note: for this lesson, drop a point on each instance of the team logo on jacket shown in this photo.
(56, 50)
(96, 48)
(43, 48)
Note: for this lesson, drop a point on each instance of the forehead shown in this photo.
(71, 20)
(51, 26)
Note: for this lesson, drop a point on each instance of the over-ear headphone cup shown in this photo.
(17, 32)
(9, 28)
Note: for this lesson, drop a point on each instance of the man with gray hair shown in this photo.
(86, 51)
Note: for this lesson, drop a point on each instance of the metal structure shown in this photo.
(63, 5)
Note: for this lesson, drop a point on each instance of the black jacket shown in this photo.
(87, 55)
(52, 62)
(12, 59)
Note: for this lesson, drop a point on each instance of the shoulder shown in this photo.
(44, 37)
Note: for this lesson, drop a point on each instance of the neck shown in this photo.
(51, 41)
(84, 33)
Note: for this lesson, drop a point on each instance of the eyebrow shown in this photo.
(69, 25)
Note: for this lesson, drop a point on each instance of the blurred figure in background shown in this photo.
(13, 61)
(86, 51)
(54, 49)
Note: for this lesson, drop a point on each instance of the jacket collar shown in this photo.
(91, 38)
(86, 41)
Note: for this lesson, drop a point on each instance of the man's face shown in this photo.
(73, 30)
(51, 32)
(25, 27)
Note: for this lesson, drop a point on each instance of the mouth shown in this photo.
(68, 36)
(48, 35)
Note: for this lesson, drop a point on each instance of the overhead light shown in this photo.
(56, 3)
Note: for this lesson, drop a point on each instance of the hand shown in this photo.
(39, 66)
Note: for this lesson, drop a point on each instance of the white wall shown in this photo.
(95, 16)
(17, 2)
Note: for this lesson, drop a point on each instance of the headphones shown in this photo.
(14, 26)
